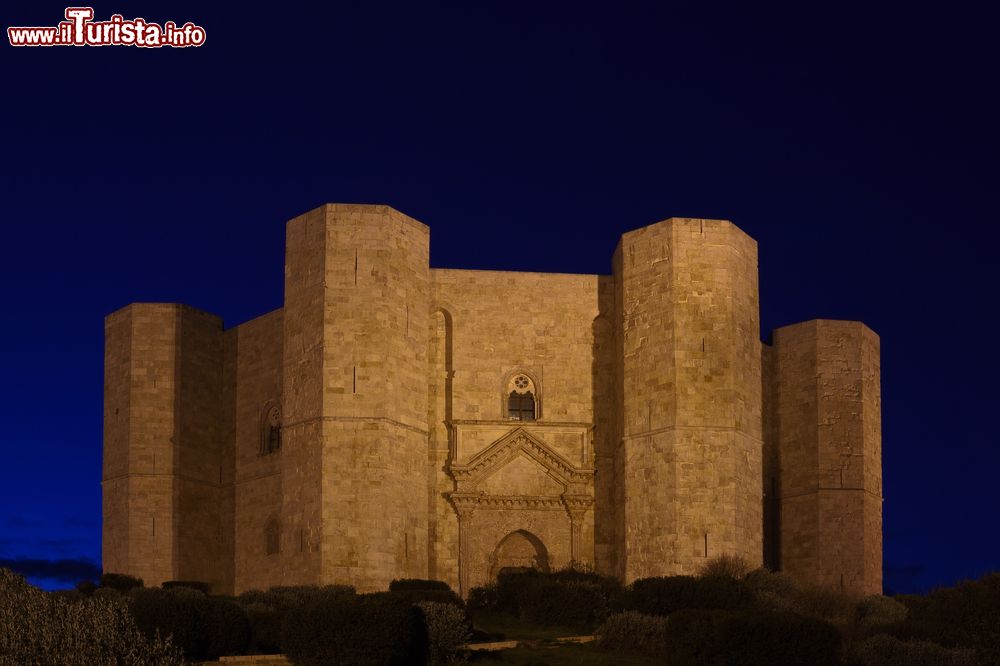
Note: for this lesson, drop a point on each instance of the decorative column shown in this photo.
(577, 507)
(465, 506)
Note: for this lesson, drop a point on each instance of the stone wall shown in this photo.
(691, 407)
(163, 485)
(254, 350)
(355, 364)
(828, 444)
(491, 325)
(651, 452)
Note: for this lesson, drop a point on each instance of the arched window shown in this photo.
(521, 398)
(270, 431)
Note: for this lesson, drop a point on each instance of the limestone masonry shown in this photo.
(394, 420)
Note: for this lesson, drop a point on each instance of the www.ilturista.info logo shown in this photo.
(79, 29)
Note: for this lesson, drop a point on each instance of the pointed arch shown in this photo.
(521, 395)
(519, 550)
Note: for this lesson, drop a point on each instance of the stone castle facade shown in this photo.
(394, 420)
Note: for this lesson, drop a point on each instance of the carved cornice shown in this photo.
(467, 503)
(577, 506)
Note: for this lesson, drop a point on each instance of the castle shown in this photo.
(394, 420)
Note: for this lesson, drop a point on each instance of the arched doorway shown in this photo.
(519, 550)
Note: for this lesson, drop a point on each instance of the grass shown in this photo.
(501, 626)
(541, 648)
(560, 655)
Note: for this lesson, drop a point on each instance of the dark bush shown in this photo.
(772, 590)
(86, 587)
(266, 609)
(448, 629)
(108, 593)
(551, 602)
(967, 615)
(562, 598)
(889, 651)
(202, 587)
(418, 584)
(38, 628)
(692, 637)
(510, 585)
(483, 598)
(227, 628)
(436, 596)
(664, 595)
(204, 628)
(877, 610)
(120, 582)
(750, 638)
(726, 566)
(69, 596)
(634, 632)
(366, 629)
(265, 628)
(174, 613)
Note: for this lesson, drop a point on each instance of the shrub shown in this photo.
(109, 593)
(664, 595)
(725, 566)
(418, 584)
(265, 628)
(414, 595)
(752, 638)
(365, 629)
(69, 596)
(120, 582)
(631, 631)
(86, 587)
(702, 637)
(204, 628)
(967, 615)
(265, 610)
(877, 610)
(226, 628)
(202, 587)
(510, 585)
(448, 628)
(771, 590)
(552, 602)
(175, 613)
(483, 598)
(885, 650)
(564, 598)
(36, 628)
(825, 604)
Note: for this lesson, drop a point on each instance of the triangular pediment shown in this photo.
(520, 443)
(520, 476)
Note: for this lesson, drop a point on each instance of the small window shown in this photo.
(521, 406)
(520, 396)
(270, 432)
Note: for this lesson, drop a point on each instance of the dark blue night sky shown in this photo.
(857, 142)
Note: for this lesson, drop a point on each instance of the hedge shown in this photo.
(634, 632)
(205, 628)
(367, 629)
(202, 587)
(750, 638)
(667, 594)
(418, 584)
(448, 628)
(38, 628)
(120, 582)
